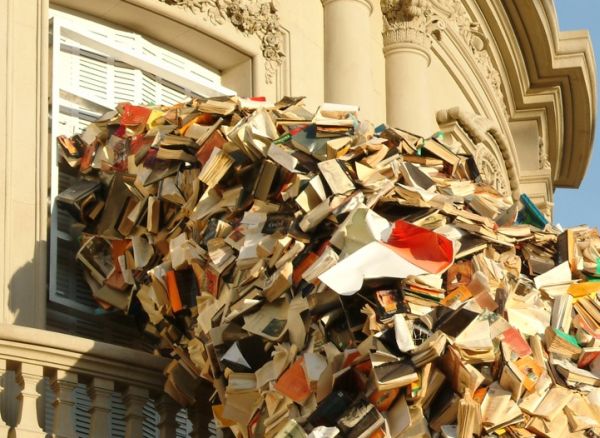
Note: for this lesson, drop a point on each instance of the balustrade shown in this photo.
(32, 360)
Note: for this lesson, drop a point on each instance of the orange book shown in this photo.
(383, 400)
(577, 290)
(294, 384)
(215, 140)
(88, 158)
(379, 433)
(460, 293)
(173, 292)
(531, 369)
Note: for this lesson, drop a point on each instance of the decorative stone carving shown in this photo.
(544, 162)
(458, 18)
(491, 170)
(409, 21)
(251, 17)
(489, 147)
(420, 21)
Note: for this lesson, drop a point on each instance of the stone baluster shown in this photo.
(200, 417)
(63, 383)
(31, 378)
(4, 428)
(167, 409)
(100, 392)
(134, 399)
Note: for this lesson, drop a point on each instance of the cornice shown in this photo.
(552, 73)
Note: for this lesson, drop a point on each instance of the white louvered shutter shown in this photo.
(87, 82)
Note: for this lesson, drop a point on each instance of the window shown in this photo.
(94, 67)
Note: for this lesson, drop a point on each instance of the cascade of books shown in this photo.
(333, 278)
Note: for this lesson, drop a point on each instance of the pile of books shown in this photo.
(333, 278)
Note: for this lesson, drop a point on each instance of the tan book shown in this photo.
(215, 168)
(175, 154)
(336, 177)
(390, 372)
(338, 147)
(468, 417)
(265, 179)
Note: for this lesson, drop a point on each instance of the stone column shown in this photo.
(407, 50)
(348, 74)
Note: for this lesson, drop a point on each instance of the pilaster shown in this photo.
(23, 161)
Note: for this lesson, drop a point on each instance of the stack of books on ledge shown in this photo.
(333, 278)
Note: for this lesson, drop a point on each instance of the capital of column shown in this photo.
(366, 3)
(406, 21)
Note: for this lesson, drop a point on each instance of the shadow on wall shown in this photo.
(27, 291)
(69, 400)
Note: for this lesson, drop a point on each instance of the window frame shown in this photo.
(60, 26)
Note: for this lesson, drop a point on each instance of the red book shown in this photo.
(294, 384)
(215, 140)
(134, 115)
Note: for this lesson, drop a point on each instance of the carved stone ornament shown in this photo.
(489, 147)
(491, 170)
(544, 162)
(251, 17)
(421, 21)
(458, 19)
(409, 21)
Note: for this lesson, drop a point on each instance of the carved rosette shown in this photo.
(251, 17)
(491, 170)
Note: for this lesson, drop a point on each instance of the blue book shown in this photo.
(530, 214)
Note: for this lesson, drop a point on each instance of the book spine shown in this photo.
(173, 292)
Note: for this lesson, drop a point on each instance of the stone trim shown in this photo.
(251, 17)
(71, 353)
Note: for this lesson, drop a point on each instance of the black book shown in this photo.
(455, 322)
(330, 409)
(360, 420)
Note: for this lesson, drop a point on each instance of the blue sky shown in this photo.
(582, 205)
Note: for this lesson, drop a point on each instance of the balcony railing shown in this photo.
(46, 378)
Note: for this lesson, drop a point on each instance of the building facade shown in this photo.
(498, 77)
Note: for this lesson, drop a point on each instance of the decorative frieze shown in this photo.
(251, 17)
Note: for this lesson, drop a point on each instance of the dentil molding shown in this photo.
(251, 17)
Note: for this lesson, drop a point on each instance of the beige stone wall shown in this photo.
(304, 22)
(505, 103)
(23, 161)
